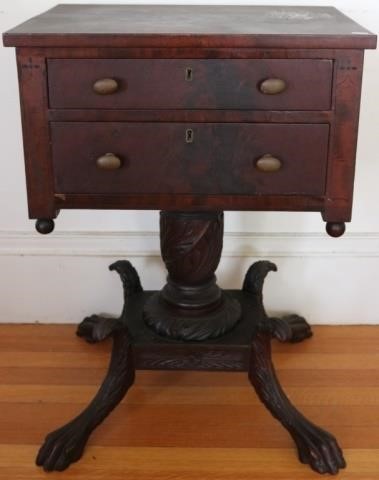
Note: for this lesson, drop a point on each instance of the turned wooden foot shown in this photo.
(316, 446)
(45, 225)
(335, 229)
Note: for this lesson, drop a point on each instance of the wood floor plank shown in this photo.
(321, 361)
(183, 463)
(93, 376)
(37, 338)
(58, 330)
(94, 358)
(91, 358)
(188, 425)
(204, 395)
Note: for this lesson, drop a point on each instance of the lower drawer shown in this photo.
(182, 158)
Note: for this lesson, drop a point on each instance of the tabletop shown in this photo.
(191, 25)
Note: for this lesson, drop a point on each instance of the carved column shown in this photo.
(191, 306)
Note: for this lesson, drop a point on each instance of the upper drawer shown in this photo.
(189, 84)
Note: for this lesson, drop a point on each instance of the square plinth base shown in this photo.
(230, 352)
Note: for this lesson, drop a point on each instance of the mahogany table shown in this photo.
(192, 110)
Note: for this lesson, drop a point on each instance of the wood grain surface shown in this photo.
(213, 83)
(281, 191)
(221, 160)
(189, 25)
(187, 425)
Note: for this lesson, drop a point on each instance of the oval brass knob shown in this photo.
(268, 163)
(272, 86)
(105, 86)
(109, 161)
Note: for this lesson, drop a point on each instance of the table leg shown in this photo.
(290, 328)
(250, 328)
(66, 444)
(316, 446)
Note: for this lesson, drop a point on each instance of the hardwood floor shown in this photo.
(187, 425)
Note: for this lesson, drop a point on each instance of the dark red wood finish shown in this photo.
(191, 26)
(317, 50)
(348, 68)
(38, 165)
(190, 83)
(191, 202)
(221, 158)
(334, 203)
(310, 128)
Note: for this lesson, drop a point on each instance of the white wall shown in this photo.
(62, 277)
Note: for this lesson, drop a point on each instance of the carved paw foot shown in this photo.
(318, 448)
(63, 446)
(95, 328)
(291, 328)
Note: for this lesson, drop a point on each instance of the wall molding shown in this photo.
(146, 244)
(329, 281)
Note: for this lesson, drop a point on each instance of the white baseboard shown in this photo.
(146, 244)
(63, 277)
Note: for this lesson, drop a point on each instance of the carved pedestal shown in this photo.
(193, 324)
(191, 306)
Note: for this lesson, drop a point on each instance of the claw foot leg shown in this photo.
(316, 447)
(95, 328)
(291, 328)
(65, 445)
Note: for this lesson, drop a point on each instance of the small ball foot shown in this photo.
(45, 225)
(291, 328)
(335, 229)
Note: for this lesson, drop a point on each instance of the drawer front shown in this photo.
(190, 84)
(179, 158)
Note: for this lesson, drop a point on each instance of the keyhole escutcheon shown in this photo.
(189, 74)
(189, 135)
